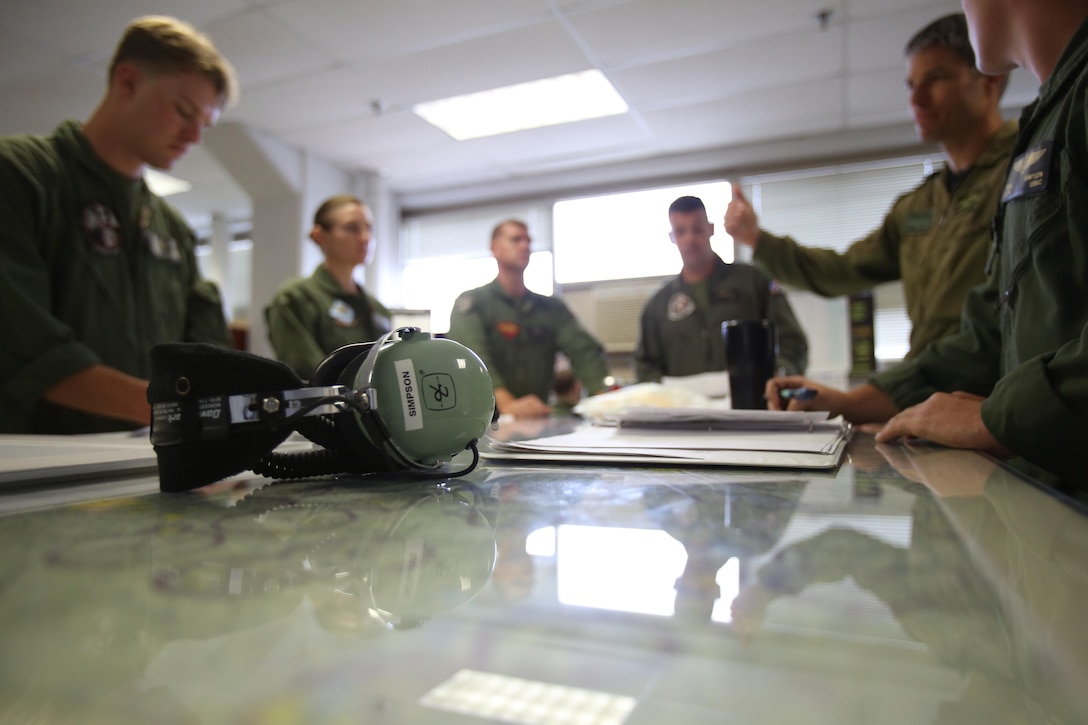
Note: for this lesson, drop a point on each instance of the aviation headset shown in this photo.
(403, 402)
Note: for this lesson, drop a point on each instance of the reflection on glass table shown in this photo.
(911, 585)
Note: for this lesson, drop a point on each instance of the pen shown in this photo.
(798, 393)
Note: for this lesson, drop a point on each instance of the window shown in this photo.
(834, 206)
(597, 247)
(447, 253)
(235, 282)
(434, 284)
(624, 236)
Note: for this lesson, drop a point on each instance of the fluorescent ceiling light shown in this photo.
(165, 184)
(526, 702)
(547, 102)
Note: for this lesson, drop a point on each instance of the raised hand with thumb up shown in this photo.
(740, 219)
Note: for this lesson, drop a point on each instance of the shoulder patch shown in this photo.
(463, 304)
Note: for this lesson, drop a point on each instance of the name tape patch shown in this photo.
(409, 394)
(1029, 173)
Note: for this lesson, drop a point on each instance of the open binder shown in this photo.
(692, 436)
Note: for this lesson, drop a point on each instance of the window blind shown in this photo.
(467, 233)
(442, 254)
(828, 207)
(833, 207)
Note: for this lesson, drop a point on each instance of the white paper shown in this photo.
(676, 442)
(718, 419)
(712, 384)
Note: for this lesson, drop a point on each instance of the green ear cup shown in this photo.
(434, 396)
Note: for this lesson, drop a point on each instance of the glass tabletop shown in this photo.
(913, 584)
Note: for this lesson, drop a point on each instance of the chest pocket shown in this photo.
(167, 280)
(106, 253)
(538, 333)
(1035, 221)
(918, 222)
(1029, 174)
(729, 303)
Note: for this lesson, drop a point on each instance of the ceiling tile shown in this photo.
(263, 51)
(878, 42)
(93, 27)
(359, 138)
(310, 101)
(422, 168)
(643, 30)
(807, 109)
(22, 58)
(527, 53)
(351, 30)
(572, 142)
(38, 105)
(870, 8)
(738, 69)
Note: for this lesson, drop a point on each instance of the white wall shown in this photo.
(827, 326)
(286, 185)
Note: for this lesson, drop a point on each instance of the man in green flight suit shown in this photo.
(1014, 381)
(680, 329)
(936, 237)
(517, 333)
(309, 318)
(94, 267)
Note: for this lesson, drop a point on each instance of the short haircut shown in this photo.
(686, 205)
(160, 44)
(500, 225)
(947, 32)
(324, 212)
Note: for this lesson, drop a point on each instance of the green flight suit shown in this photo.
(518, 338)
(679, 335)
(309, 318)
(94, 269)
(1024, 341)
(934, 241)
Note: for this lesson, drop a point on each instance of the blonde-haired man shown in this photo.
(94, 267)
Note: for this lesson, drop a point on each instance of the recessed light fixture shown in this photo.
(165, 184)
(526, 702)
(546, 102)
